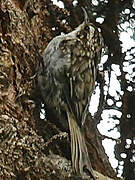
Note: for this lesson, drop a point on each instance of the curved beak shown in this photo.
(86, 19)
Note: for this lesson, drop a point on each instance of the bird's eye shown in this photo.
(86, 28)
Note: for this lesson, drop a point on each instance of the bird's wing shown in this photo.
(80, 78)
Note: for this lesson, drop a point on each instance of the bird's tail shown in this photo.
(80, 157)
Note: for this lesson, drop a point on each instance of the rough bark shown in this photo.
(28, 144)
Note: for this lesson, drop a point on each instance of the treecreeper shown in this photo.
(66, 82)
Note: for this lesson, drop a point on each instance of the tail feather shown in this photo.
(80, 157)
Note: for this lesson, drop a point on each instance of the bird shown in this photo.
(66, 81)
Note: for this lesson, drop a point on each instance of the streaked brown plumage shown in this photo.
(67, 82)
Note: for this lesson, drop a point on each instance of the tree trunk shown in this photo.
(30, 147)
